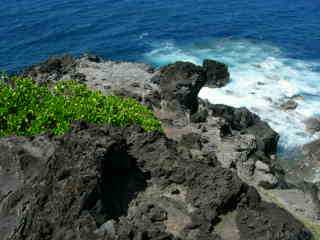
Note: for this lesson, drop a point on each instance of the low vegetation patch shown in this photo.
(27, 108)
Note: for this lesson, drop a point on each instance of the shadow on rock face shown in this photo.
(119, 182)
(103, 182)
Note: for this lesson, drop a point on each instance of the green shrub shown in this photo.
(27, 108)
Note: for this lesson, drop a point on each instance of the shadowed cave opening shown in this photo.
(119, 182)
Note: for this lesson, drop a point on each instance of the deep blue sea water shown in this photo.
(272, 47)
(32, 30)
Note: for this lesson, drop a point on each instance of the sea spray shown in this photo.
(262, 79)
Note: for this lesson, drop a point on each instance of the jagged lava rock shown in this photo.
(181, 82)
(101, 182)
(243, 120)
(162, 188)
(172, 92)
(53, 69)
(217, 74)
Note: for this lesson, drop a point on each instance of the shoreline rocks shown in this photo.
(289, 105)
(312, 151)
(101, 182)
(313, 125)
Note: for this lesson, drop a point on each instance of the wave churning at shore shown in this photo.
(262, 78)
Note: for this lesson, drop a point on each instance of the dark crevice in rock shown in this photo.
(104, 182)
(119, 181)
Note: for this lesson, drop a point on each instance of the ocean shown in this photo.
(272, 47)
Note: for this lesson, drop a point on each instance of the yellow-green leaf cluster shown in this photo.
(27, 108)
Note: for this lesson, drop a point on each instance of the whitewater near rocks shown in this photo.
(199, 180)
(262, 79)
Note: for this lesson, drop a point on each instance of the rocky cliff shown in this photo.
(198, 180)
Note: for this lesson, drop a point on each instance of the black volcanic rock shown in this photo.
(266, 221)
(217, 74)
(51, 70)
(313, 125)
(100, 182)
(199, 116)
(180, 84)
(267, 138)
(241, 119)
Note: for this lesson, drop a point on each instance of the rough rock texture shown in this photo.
(243, 120)
(217, 73)
(238, 137)
(289, 105)
(181, 82)
(53, 69)
(312, 152)
(313, 125)
(300, 202)
(99, 182)
(122, 78)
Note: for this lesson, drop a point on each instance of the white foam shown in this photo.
(261, 79)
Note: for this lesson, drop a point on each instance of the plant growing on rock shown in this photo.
(27, 108)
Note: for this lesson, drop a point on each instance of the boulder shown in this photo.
(180, 84)
(312, 151)
(267, 138)
(313, 125)
(289, 105)
(216, 73)
(241, 119)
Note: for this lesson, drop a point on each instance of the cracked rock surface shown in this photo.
(195, 181)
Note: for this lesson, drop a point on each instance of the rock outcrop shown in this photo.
(99, 182)
(217, 74)
(289, 105)
(313, 125)
(238, 137)
(312, 152)
(181, 82)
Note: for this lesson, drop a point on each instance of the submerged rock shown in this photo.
(289, 105)
(313, 125)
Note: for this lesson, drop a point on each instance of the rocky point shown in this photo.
(200, 179)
